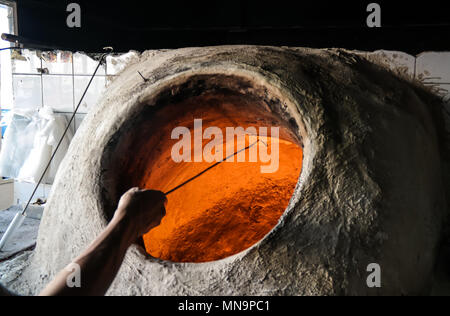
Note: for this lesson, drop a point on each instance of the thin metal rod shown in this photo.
(9, 48)
(208, 169)
(64, 135)
(145, 79)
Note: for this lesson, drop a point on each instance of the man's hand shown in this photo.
(138, 212)
(143, 210)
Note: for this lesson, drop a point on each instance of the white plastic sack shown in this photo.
(30, 139)
(17, 143)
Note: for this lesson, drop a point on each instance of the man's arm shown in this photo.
(138, 212)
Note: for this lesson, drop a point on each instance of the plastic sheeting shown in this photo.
(30, 139)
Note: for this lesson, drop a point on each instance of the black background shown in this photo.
(408, 26)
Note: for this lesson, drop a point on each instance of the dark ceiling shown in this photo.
(141, 25)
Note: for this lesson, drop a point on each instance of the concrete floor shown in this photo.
(25, 237)
(11, 269)
(15, 256)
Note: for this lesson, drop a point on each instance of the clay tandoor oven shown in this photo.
(360, 177)
(233, 205)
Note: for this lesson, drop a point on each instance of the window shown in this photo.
(8, 24)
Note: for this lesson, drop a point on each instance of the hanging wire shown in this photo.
(9, 48)
(109, 49)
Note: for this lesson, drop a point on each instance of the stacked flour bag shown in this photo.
(29, 142)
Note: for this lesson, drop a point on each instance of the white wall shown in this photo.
(22, 192)
(6, 194)
(6, 92)
(6, 97)
(60, 86)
